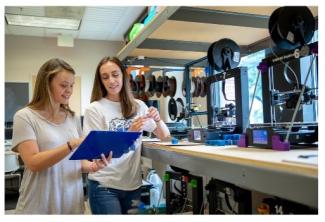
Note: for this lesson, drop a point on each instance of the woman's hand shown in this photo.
(100, 164)
(154, 114)
(138, 124)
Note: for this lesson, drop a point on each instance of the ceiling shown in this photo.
(98, 23)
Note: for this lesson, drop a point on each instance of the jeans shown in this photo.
(104, 200)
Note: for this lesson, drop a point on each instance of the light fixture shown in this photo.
(65, 41)
(43, 22)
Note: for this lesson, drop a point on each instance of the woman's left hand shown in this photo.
(154, 114)
(100, 164)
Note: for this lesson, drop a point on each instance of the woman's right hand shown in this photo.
(138, 124)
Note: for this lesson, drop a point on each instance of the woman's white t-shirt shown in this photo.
(122, 173)
(57, 189)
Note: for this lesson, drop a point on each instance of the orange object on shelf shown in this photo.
(142, 70)
(197, 71)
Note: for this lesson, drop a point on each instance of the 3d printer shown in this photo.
(287, 121)
(227, 116)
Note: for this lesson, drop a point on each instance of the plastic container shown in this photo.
(151, 15)
(136, 28)
(11, 161)
(174, 140)
(156, 189)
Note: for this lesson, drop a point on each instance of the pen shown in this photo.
(308, 156)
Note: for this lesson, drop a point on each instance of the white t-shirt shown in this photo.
(57, 189)
(122, 173)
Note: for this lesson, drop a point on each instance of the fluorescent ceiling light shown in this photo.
(43, 22)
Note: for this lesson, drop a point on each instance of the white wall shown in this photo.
(25, 55)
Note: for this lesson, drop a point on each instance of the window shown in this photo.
(310, 112)
(251, 62)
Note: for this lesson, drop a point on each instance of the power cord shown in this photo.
(183, 208)
(227, 195)
(198, 120)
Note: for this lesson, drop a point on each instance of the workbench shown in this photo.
(264, 170)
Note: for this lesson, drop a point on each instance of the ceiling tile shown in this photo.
(103, 14)
(126, 21)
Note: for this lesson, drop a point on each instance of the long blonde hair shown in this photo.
(128, 104)
(42, 95)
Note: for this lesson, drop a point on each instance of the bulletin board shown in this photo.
(16, 97)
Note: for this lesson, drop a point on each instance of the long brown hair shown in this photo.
(128, 104)
(41, 95)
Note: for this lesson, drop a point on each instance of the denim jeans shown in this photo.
(104, 200)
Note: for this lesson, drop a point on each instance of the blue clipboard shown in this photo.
(98, 142)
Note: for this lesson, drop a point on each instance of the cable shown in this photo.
(198, 119)
(204, 195)
(185, 199)
(227, 195)
(286, 66)
(201, 208)
(299, 99)
(176, 188)
(183, 208)
(223, 87)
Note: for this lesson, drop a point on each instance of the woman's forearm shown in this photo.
(162, 130)
(45, 159)
(38, 161)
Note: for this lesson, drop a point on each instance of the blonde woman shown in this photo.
(45, 133)
(112, 189)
